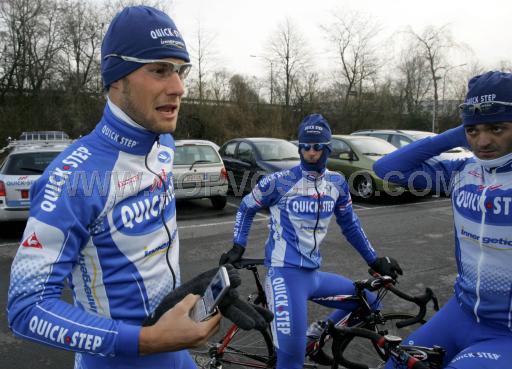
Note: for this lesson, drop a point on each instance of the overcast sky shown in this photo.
(243, 27)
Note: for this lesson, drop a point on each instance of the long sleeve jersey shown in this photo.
(96, 223)
(482, 210)
(301, 206)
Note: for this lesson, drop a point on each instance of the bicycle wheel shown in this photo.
(249, 349)
(360, 350)
(246, 349)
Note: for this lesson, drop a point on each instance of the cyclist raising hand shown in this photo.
(302, 201)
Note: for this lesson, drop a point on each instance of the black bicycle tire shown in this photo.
(348, 341)
(247, 352)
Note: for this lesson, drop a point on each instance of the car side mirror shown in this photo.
(346, 155)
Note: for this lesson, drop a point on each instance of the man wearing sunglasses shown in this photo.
(475, 325)
(302, 201)
(103, 219)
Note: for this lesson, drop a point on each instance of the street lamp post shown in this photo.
(271, 75)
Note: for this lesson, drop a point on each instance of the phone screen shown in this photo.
(217, 288)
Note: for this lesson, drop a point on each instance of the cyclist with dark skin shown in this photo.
(302, 201)
(475, 325)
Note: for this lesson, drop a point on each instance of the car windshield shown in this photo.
(277, 150)
(190, 154)
(372, 147)
(31, 163)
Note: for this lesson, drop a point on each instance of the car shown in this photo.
(24, 161)
(199, 172)
(353, 156)
(400, 138)
(248, 159)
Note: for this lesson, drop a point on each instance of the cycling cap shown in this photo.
(314, 129)
(141, 32)
(483, 89)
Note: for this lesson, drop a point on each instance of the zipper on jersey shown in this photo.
(317, 217)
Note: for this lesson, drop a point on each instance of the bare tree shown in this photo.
(289, 51)
(201, 54)
(219, 85)
(81, 33)
(435, 44)
(352, 35)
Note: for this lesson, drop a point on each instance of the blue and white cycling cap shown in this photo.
(139, 32)
(489, 99)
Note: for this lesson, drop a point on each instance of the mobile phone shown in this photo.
(206, 306)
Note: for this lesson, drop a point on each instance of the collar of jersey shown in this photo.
(124, 136)
(499, 165)
(312, 176)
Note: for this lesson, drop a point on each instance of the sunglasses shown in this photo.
(168, 67)
(316, 147)
(485, 108)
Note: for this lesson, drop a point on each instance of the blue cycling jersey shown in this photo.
(482, 209)
(301, 206)
(96, 224)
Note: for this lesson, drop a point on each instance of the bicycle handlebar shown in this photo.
(389, 344)
(248, 263)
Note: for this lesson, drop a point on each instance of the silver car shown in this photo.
(199, 172)
(24, 162)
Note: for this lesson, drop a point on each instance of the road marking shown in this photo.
(9, 244)
(257, 214)
(412, 204)
(213, 224)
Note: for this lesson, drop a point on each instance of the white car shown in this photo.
(25, 161)
(199, 172)
(401, 137)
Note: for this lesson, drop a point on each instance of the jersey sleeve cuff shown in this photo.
(128, 340)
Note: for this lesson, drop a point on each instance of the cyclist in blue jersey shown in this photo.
(475, 325)
(103, 219)
(302, 201)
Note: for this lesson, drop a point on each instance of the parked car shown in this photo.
(24, 161)
(353, 156)
(248, 159)
(400, 138)
(199, 172)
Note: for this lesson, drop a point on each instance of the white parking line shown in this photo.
(257, 214)
(213, 224)
(411, 204)
(9, 244)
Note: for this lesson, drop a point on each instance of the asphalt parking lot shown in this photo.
(416, 231)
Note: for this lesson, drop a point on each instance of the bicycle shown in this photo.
(405, 356)
(254, 349)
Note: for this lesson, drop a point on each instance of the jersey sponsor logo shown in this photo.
(59, 177)
(116, 137)
(282, 315)
(160, 248)
(494, 242)
(308, 207)
(62, 335)
(130, 180)
(468, 203)
(158, 181)
(143, 215)
(164, 157)
(32, 241)
(477, 355)
(86, 278)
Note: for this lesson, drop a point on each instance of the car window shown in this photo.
(245, 152)
(372, 147)
(338, 147)
(31, 163)
(383, 136)
(190, 154)
(277, 150)
(229, 149)
(400, 141)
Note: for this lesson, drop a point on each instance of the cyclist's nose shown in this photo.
(174, 85)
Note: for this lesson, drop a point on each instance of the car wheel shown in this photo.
(364, 187)
(219, 202)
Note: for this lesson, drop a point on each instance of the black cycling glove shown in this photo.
(246, 316)
(387, 266)
(233, 255)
